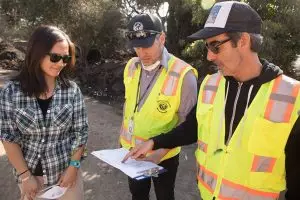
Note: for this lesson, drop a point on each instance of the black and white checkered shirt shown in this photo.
(53, 140)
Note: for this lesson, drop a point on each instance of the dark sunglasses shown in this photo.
(142, 34)
(54, 57)
(215, 45)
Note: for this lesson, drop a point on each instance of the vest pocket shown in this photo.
(266, 145)
(268, 138)
(26, 120)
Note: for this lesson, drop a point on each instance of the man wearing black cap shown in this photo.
(246, 121)
(160, 90)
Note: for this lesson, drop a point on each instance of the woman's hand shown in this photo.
(30, 186)
(68, 178)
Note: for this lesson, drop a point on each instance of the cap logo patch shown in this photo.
(138, 26)
(213, 14)
(219, 14)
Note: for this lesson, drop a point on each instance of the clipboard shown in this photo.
(134, 169)
(153, 172)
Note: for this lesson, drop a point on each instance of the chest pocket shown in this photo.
(26, 120)
(269, 138)
(62, 116)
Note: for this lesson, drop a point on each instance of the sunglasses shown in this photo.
(142, 34)
(54, 57)
(215, 45)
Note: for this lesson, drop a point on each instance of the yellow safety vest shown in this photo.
(159, 112)
(252, 165)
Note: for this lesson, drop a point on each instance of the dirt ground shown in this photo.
(102, 182)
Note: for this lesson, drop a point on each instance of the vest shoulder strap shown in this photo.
(131, 67)
(282, 99)
(176, 70)
(210, 88)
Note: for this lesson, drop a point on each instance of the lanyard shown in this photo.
(138, 100)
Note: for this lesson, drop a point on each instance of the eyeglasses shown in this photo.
(215, 45)
(54, 57)
(142, 34)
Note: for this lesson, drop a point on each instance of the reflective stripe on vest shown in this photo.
(132, 68)
(263, 164)
(210, 88)
(125, 135)
(170, 85)
(282, 99)
(233, 191)
(137, 140)
(207, 178)
(202, 146)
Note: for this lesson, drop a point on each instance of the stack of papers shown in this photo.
(52, 192)
(132, 168)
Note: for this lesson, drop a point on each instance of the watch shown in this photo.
(75, 163)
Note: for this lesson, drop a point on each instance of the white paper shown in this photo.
(53, 193)
(131, 167)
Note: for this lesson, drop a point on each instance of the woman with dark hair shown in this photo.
(43, 124)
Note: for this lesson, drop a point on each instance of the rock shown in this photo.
(10, 57)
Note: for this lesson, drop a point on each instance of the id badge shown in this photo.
(130, 126)
(45, 179)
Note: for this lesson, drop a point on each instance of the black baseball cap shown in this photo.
(147, 24)
(229, 16)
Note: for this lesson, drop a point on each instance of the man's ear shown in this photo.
(162, 38)
(245, 41)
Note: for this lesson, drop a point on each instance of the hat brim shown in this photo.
(144, 43)
(207, 32)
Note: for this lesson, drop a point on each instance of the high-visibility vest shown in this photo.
(252, 165)
(159, 112)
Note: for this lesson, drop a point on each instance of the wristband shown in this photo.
(75, 163)
(23, 172)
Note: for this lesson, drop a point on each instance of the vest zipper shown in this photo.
(233, 113)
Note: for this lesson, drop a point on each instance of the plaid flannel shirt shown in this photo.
(53, 140)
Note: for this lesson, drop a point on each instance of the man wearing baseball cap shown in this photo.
(246, 121)
(160, 90)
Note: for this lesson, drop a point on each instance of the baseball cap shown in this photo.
(142, 30)
(229, 16)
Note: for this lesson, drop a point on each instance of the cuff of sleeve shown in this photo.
(157, 142)
(78, 143)
(10, 138)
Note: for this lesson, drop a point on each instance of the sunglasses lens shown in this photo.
(66, 59)
(212, 48)
(56, 58)
(140, 34)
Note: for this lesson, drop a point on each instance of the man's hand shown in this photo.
(139, 151)
(68, 179)
(156, 156)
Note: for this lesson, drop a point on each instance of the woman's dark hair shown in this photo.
(40, 44)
